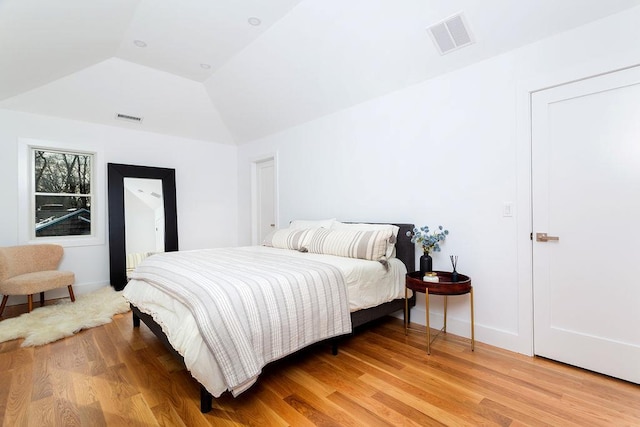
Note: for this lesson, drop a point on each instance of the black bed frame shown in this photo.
(405, 251)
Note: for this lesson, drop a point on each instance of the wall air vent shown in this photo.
(128, 118)
(451, 34)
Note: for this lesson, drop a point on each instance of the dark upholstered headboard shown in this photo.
(405, 250)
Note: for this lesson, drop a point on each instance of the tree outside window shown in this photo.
(62, 183)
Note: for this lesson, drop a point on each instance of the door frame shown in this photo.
(254, 192)
(523, 342)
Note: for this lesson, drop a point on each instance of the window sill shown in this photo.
(68, 242)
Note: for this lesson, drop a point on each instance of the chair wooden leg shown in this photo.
(4, 303)
(30, 302)
(71, 295)
(41, 299)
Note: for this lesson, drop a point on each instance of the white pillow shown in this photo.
(321, 223)
(391, 244)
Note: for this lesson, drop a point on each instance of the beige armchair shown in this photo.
(26, 270)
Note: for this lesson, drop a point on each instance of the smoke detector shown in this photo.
(451, 34)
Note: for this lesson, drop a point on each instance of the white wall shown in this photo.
(206, 197)
(449, 151)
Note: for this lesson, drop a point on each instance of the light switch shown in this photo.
(507, 209)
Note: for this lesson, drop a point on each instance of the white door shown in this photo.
(265, 198)
(586, 192)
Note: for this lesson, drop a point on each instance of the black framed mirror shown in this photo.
(136, 188)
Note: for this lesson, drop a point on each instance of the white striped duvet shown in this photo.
(153, 291)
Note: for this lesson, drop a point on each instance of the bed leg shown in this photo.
(136, 319)
(206, 400)
(334, 347)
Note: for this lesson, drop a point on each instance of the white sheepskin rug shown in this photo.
(53, 322)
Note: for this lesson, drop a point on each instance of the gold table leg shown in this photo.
(426, 304)
(445, 314)
(406, 311)
(473, 338)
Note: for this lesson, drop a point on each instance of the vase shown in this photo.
(426, 263)
(454, 276)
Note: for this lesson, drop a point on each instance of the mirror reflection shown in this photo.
(144, 219)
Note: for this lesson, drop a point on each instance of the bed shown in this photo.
(315, 290)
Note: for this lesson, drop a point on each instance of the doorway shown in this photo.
(264, 198)
(586, 198)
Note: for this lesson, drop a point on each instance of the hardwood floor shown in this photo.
(116, 375)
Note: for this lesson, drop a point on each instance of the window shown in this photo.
(62, 195)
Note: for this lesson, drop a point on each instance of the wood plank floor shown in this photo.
(115, 375)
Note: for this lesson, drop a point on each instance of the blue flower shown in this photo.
(428, 242)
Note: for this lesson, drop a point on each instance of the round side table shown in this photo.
(444, 286)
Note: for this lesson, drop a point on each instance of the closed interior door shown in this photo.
(586, 192)
(265, 177)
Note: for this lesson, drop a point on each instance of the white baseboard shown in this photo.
(78, 289)
(462, 327)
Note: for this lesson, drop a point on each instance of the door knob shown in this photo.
(272, 225)
(542, 237)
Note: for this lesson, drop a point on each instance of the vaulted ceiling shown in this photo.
(232, 71)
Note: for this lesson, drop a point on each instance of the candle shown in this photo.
(431, 277)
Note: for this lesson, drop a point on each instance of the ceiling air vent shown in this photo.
(451, 34)
(128, 118)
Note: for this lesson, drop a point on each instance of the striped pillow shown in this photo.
(363, 244)
(391, 244)
(287, 238)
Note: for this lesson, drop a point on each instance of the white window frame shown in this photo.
(26, 194)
